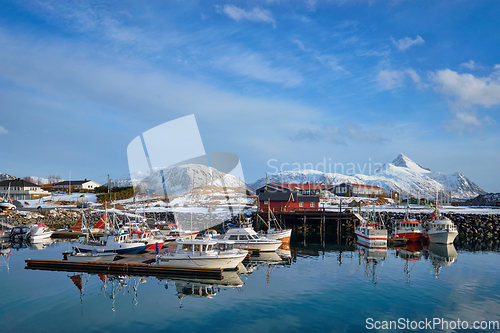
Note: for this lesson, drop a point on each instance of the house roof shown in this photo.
(73, 182)
(308, 198)
(18, 182)
(362, 185)
(275, 196)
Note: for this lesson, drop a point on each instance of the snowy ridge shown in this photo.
(181, 179)
(4, 176)
(402, 175)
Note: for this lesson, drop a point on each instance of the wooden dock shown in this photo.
(129, 265)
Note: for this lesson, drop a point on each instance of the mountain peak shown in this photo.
(405, 162)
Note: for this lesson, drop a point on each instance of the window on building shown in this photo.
(301, 204)
(312, 204)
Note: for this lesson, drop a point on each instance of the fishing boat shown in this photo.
(120, 243)
(371, 233)
(441, 230)
(174, 231)
(38, 232)
(89, 256)
(275, 229)
(245, 237)
(408, 228)
(203, 253)
(6, 202)
(139, 231)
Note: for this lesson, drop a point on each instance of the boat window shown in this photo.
(196, 247)
(187, 247)
(233, 237)
(209, 247)
(243, 237)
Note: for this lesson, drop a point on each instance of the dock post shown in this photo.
(305, 229)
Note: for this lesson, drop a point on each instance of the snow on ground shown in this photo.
(55, 200)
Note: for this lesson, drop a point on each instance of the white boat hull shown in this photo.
(86, 257)
(282, 235)
(442, 236)
(194, 261)
(258, 246)
(374, 238)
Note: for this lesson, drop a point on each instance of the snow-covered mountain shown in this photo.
(402, 175)
(4, 176)
(180, 179)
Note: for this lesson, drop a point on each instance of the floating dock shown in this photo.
(128, 265)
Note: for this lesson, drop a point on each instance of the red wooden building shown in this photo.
(287, 201)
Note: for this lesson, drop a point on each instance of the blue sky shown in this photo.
(284, 81)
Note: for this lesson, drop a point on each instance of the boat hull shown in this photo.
(442, 236)
(410, 236)
(222, 262)
(88, 257)
(258, 246)
(374, 238)
(122, 249)
(283, 235)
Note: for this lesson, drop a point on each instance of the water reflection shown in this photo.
(5, 253)
(371, 258)
(441, 255)
(411, 253)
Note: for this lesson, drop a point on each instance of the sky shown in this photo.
(282, 84)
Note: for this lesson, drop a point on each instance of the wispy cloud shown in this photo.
(338, 135)
(405, 43)
(252, 65)
(256, 14)
(391, 79)
(327, 60)
(471, 64)
(3, 130)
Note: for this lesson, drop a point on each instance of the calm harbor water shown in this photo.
(313, 288)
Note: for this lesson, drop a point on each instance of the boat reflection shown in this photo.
(441, 255)
(5, 253)
(202, 288)
(411, 253)
(371, 258)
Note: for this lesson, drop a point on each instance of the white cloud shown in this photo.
(252, 65)
(466, 92)
(3, 130)
(468, 89)
(405, 43)
(395, 79)
(256, 14)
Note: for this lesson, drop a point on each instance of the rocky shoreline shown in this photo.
(487, 226)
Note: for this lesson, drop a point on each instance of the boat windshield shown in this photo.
(224, 246)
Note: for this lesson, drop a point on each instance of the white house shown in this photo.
(75, 185)
(19, 189)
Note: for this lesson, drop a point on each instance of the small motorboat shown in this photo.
(38, 232)
(89, 256)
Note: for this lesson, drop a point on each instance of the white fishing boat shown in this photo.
(440, 229)
(38, 232)
(89, 256)
(371, 233)
(275, 229)
(119, 243)
(174, 231)
(245, 237)
(6, 202)
(203, 253)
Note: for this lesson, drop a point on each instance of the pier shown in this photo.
(126, 264)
